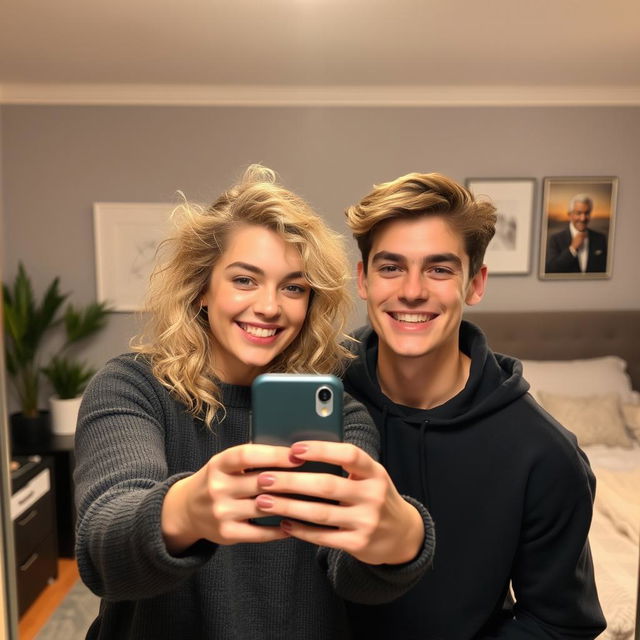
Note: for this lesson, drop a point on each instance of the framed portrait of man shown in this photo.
(578, 220)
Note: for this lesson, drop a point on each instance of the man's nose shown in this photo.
(414, 288)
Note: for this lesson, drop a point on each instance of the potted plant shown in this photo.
(25, 323)
(68, 376)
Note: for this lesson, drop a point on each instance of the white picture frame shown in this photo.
(127, 236)
(509, 252)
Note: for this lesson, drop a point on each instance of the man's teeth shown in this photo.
(412, 317)
(258, 332)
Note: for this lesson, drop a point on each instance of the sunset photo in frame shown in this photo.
(578, 220)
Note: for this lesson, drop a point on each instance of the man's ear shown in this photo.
(476, 287)
(362, 281)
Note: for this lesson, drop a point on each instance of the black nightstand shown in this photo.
(61, 449)
(34, 526)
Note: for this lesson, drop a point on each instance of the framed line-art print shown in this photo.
(578, 216)
(126, 239)
(509, 252)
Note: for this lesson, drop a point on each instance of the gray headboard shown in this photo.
(564, 335)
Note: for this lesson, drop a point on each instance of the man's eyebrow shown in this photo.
(388, 255)
(443, 257)
(258, 271)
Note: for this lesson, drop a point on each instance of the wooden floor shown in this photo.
(38, 613)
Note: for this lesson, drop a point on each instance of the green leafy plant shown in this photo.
(67, 376)
(26, 322)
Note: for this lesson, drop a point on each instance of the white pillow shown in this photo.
(585, 377)
(593, 419)
(631, 413)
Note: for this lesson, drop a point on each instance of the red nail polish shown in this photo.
(286, 525)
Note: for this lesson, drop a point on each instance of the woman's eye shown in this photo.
(295, 289)
(243, 281)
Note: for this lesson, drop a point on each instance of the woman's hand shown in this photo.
(217, 502)
(372, 522)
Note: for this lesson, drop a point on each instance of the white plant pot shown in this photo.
(64, 415)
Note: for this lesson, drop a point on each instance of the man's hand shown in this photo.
(578, 240)
(372, 521)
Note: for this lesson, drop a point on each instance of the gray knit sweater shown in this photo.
(133, 441)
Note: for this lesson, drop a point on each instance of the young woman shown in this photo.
(166, 482)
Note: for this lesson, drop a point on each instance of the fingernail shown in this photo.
(264, 502)
(266, 480)
(299, 448)
(286, 525)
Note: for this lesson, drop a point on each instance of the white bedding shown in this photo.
(615, 535)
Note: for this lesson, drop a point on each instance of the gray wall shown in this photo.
(57, 161)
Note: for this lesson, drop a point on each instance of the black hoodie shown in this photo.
(511, 495)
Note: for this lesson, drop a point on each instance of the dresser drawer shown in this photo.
(33, 575)
(37, 487)
(30, 527)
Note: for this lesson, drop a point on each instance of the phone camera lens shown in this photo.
(324, 394)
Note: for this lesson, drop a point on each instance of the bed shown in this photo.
(584, 368)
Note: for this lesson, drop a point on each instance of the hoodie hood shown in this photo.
(495, 381)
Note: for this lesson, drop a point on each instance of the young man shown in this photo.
(509, 490)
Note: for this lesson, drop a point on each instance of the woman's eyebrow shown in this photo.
(258, 271)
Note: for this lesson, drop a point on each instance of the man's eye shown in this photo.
(389, 268)
(441, 271)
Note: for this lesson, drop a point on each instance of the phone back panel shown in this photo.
(285, 409)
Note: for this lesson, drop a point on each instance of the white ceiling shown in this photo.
(213, 49)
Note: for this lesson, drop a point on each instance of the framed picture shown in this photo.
(509, 252)
(578, 216)
(126, 238)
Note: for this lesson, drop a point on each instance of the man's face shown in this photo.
(416, 285)
(580, 216)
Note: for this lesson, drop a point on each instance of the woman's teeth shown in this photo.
(258, 332)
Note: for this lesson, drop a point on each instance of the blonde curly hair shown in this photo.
(177, 336)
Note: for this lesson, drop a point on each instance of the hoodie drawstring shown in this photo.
(383, 436)
(423, 466)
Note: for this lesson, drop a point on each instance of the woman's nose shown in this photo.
(266, 304)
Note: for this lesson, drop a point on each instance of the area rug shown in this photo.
(73, 617)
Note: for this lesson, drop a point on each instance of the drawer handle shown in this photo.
(27, 497)
(29, 562)
(28, 519)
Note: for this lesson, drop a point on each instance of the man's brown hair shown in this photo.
(425, 194)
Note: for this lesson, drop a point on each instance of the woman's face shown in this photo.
(257, 302)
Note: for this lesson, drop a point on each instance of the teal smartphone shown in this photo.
(289, 407)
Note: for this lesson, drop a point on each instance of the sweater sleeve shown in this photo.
(121, 480)
(552, 579)
(358, 581)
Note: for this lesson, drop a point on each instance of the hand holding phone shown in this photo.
(287, 408)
